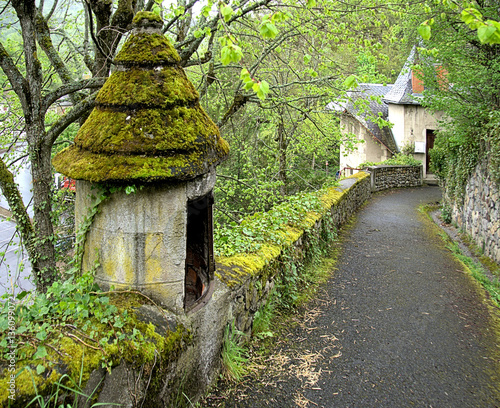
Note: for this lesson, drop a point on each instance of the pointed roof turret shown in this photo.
(148, 123)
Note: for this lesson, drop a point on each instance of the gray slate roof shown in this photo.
(402, 90)
(362, 107)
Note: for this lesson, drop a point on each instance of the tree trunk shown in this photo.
(44, 268)
(282, 146)
(42, 257)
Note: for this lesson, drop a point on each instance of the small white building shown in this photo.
(413, 126)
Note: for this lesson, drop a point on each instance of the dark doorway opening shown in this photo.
(429, 144)
(200, 265)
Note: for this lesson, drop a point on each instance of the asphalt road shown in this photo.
(399, 324)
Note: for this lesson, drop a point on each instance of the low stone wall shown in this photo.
(251, 283)
(479, 215)
(384, 177)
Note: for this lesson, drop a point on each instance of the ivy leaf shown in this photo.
(40, 369)
(41, 352)
(41, 335)
(425, 31)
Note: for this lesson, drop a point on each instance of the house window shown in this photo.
(200, 263)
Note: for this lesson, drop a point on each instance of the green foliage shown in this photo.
(261, 327)
(60, 389)
(255, 230)
(491, 140)
(462, 78)
(446, 214)
(478, 272)
(399, 159)
(234, 354)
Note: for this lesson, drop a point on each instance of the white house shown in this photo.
(412, 129)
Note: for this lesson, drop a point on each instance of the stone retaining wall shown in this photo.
(385, 177)
(479, 216)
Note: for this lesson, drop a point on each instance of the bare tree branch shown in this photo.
(75, 113)
(66, 89)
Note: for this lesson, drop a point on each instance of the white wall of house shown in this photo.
(411, 123)
(368, 149)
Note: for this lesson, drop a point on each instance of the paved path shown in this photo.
(398, 325)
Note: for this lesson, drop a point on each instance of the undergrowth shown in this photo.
(399, 159)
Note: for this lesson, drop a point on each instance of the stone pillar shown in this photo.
(147, 130)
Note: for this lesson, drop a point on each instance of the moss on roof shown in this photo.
(161, 88)
(148, 124)
(148, 132)
(98, 167)
(145, 48)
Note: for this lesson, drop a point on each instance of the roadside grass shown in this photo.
(477, 271)
(480, 267)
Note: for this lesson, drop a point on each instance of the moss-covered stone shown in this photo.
(70, 357)
(161, 88)
(145, 18)
(148, 132)
(145, 49)
(97, 167)
(148, 124)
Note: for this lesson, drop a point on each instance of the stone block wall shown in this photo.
(479, 215)
(384, 177)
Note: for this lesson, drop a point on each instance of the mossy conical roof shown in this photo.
(148, 123)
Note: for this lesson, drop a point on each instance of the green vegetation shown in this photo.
(478, 272)
(234, 354)
(399, 159)
(461, 78)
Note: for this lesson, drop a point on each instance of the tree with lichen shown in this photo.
(32, 83)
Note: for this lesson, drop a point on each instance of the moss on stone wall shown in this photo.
(76, 355)
(236, 269)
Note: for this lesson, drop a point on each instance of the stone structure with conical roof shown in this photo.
(149, 130)
(148, 124)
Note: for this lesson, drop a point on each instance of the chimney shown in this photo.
(417, 81)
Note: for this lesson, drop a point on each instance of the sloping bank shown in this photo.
(178, 357)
